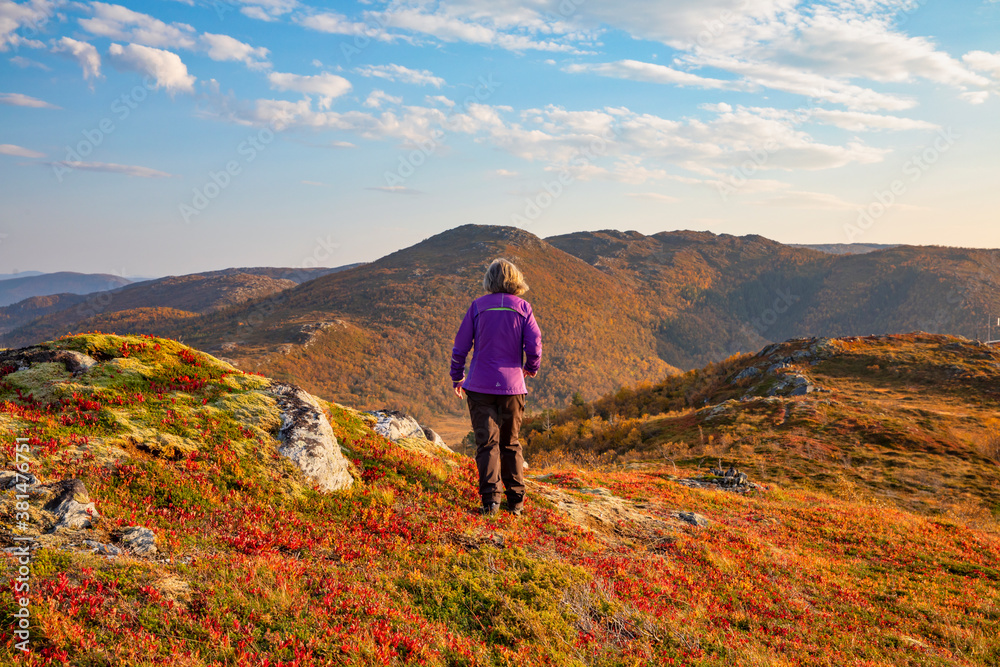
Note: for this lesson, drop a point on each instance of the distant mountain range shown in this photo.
(616, 308)
(844, 248)
(15, 289)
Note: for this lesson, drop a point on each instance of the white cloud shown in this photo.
(396, 190)
(112, 168)
(402, 74)
(651, 72)
(29, 15)
(166, 67)
(377, 97)
(809, 84)
(858, 121)
(266, 10)
(975, 96)
(19, 151)
(982, 61)
(327, 86)
(19, 100)
(505, 173)
(224, 47)
(810, 200)
(123, 24)
(655, 196)
(25, 63)
(84, 53)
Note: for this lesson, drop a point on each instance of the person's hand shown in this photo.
(459, 391)
(524, 371)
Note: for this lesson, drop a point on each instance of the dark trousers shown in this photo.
(496, 420)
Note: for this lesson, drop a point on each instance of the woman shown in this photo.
(508, 348)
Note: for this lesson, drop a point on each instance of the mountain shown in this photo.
(712, 296)
(19, 274)
(844, 248)
(138, 308)
(192, 293)
(381, 334)
(615, 308)
(13, 290)
(175, 510)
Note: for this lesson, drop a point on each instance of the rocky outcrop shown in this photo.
(433, 436)
(138, 540)
(395, 425)
(308, 440)
(71, 506)
(24, 358)
(719, 479)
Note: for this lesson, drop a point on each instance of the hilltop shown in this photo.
(909, 420)
(189, 513)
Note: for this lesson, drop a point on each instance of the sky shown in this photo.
(174, 136)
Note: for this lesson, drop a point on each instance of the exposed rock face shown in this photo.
(396, 425)
(433, 436)
(71, 505)
(139, 540)
(730, 479)
(308, 440)
(692, 518)
(75, 362)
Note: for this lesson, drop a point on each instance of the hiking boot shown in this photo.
(490, 509)
(517, 511)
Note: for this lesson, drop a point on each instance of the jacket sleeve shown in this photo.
(463, 343)
(532, 344)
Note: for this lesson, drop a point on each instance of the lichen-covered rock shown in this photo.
(139, 540)
(308, 440)
(692, 518)
(71, 505)
(396, 425)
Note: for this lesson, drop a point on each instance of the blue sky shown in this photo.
(149, 138)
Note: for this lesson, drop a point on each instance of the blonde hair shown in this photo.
(503, 276)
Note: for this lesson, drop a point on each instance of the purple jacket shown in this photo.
(502, 327)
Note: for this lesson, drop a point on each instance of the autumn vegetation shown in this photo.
(869, 539)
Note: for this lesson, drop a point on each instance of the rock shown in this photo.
(11, 478)
(433, 436)
(103, 549)
(692, 518)
(308, 440)
(396, 425)
(139, 540)
(71, 505)
(746, 373)
(26, 357)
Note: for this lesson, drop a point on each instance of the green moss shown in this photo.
(252, 408)
(46, 382)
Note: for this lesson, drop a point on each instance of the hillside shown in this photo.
(907, 420)
(191, 293)
(143, 307)
(176, 522)
(13, 290)
(716, 295)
